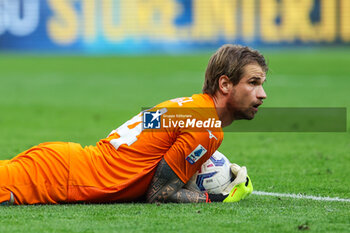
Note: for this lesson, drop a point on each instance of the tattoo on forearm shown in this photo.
(166, 186)
(164, 183)
(188, 196)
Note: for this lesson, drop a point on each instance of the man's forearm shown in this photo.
(164, 184)
(188, 196)
(167, 187)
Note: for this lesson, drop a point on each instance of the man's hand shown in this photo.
(238, 189)
(241, 186)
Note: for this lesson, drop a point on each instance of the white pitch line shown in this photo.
(300, 196)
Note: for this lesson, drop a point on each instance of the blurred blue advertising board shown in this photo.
(142, 26)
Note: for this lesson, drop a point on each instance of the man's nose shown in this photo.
(261, 93)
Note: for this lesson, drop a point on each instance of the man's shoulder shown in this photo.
(196, 100)
(187, 114)
(194, 110)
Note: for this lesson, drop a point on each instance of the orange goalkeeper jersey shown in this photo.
(120, 167)
(185, 132)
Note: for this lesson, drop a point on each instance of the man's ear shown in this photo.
(225, 84)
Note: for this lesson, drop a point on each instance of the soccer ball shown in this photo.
(213, 176)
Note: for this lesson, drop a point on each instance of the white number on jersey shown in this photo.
(182, 100)
(127, 136)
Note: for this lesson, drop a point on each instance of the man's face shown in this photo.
(248, 94)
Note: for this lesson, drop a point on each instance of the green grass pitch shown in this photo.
(82, 99)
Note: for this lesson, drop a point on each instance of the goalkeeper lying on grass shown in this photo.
(152, 156)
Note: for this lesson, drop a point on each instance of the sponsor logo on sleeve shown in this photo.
(196, 154)
(211, 135)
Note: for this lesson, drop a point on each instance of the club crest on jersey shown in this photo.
(196, 154)
(152, 120)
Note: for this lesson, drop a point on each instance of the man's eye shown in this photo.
(254, 82)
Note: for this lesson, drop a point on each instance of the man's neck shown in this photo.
(222, 111)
